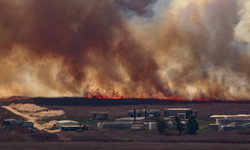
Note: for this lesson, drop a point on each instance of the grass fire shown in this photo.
(150, 48)
(124, 74)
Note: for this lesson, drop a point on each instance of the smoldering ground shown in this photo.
(163, 48)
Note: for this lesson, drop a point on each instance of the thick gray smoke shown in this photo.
(184, 48)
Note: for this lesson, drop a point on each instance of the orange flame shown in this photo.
(173, 99)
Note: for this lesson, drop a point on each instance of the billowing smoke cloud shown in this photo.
(185, 48)
(138, 7)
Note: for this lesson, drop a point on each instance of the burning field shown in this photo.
(62, 59)
(134, 48)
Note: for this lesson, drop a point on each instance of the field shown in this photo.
(123, 145)
(82, 106)
(12, 137)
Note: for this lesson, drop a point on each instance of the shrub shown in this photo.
(162, 125)
(192, 125)
(179, 126)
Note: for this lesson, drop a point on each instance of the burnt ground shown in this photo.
(15, 138)
(81, 101)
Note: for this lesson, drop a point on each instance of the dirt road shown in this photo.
(30, 119)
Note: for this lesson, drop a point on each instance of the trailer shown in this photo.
(12, 122)
(72, 128)
(100, 115)
(27, 125)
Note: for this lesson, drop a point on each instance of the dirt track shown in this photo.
(29, 119)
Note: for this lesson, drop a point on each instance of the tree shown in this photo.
(162, 125)
(192, 125)
(179, 126)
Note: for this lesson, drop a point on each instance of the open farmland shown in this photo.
(80, 107)
(13, 133)
(125, 139)
(122, 145)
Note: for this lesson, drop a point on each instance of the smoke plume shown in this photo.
(149, 48)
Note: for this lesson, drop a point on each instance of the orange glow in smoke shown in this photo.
(172, 99)
(100, 96)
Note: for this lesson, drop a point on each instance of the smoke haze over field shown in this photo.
(164, 48)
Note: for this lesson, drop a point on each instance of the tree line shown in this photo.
(190, 127)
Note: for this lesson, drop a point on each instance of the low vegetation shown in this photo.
(203, 124)
(179, 126)
(192, 126)
(162, 125)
